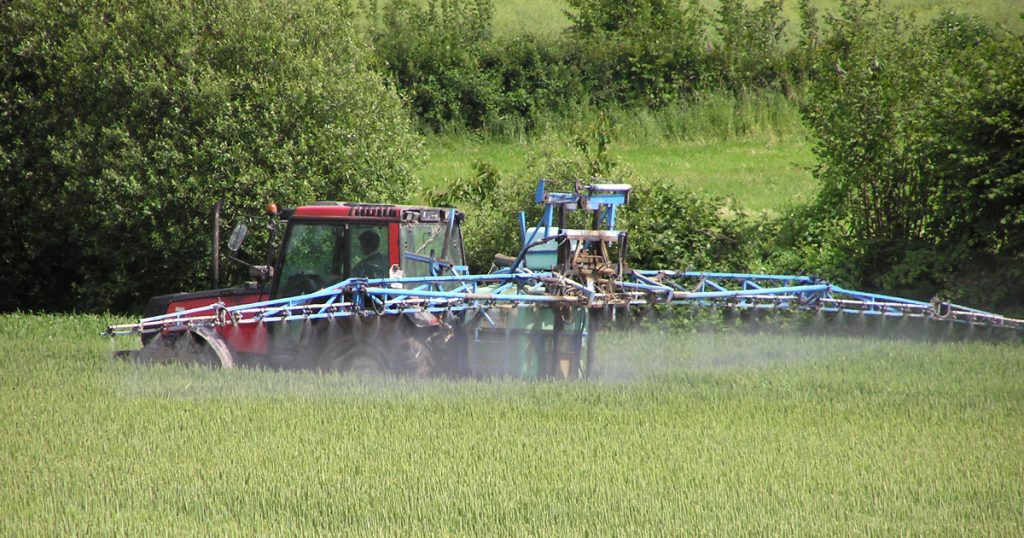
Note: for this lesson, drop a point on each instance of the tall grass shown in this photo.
(694, 435)
(751, 149)
(706, 117)
(712, 117)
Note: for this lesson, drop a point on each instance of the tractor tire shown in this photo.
(414, 357)
(362, 360)
(190, 348)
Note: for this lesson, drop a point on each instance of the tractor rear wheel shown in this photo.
(414, 357)
(362, 359)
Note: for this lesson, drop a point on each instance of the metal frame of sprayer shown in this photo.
(583, 275)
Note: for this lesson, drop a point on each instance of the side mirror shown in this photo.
(237, 237)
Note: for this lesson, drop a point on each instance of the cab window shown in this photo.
(368, 251)
(319, 254)
(427, 240)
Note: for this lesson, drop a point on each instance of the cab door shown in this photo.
(320, 253)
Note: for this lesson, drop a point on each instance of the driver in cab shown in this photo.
(372, 264)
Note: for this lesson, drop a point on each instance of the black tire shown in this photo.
(362, 359)
(185, 348)
(414, 357)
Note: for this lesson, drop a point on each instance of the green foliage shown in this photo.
(873, 174)
(750, 51)
(532, 80)
(490, 202)
(921, 154)
(975, 138)
(672, 228)
(455, 75)
(123, 122)
(458, 75)
(433, 52)
(644, 51)
(802, 57)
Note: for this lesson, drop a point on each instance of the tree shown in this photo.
(976, 118)
(434, 54)
(123, 122)
(750, 51)
(919, 138)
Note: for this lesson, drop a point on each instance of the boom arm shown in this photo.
(585, 276)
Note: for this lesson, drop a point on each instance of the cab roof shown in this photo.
(373, 212)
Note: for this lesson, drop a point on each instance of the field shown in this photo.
(754, 174)
(702, 434)
(752, 150)
(717, 433)
(547, 17)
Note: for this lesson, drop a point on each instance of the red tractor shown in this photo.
(323, 244)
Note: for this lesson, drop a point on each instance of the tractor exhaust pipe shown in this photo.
(215, 262)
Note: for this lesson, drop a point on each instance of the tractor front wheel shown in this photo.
(184, 348)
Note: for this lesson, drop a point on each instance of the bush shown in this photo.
(750, 52)
(975, 138)
(124, 122)
(533, 80)
(921, 154)
(433, 54)
(444, 58)
(643, 51)
(673, 228)
(456, 75)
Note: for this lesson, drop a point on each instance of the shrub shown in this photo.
(124, 122)
(750, 52)
(921, 154)
(643, 51)
(533, 80)
(433, 54)
(974, 129)
(673, 228)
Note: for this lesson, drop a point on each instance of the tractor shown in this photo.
(322, 244)
(384, 289)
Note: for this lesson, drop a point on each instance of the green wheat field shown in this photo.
(699, 434)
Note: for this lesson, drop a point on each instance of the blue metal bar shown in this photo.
(393, 296)
(712, 283)
(652, 283)
(732, 276)
(876, 296)
(750, 293)
(477, 296)
(522, 229)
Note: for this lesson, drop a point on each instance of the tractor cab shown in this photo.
(328, 242)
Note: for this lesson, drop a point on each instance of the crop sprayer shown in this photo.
(384, 289)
